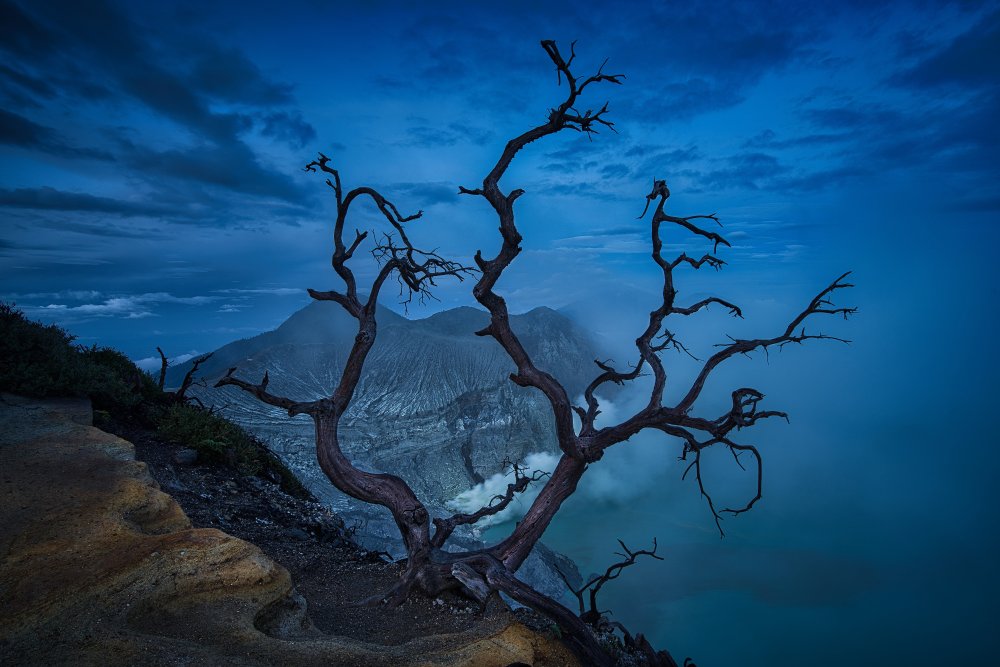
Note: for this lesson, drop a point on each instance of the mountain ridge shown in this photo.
(429, 385)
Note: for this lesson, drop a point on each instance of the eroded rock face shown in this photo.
(435, 404)
(102, 568)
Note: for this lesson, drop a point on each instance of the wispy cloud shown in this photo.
(16, 130)
(213, 93)
(430, 135)
(260, 290)
(131, 307)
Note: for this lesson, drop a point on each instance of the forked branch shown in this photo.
(188, 380)
(498, 503)
(260, 391)
(416, 270)
(821, 304)
(592, 615)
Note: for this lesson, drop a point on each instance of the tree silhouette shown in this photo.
(429, 568)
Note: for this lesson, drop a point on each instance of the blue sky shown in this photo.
(152, 193)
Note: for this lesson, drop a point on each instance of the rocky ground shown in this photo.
(100, 566)
(333, 574)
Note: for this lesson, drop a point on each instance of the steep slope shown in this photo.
(435, 404)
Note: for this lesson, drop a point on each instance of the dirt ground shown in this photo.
(334, 576)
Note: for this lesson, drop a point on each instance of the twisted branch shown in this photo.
(416, 270)
(189, 376)
(260, 391)
(593, 616)
(821, 304)
(497, 504)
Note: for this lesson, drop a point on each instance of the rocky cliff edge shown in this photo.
(99, 567)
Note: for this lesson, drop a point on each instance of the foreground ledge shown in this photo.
(99, 567)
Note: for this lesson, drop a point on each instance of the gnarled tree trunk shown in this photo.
(430, 568)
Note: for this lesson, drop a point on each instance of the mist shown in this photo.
(874, 526)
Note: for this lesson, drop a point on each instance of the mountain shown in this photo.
(434, 405)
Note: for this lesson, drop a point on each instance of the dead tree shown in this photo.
(429, 568)
(163, 369)
(590, 614)
(180, 395)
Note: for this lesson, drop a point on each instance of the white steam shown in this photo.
(484, 493)
(626, 471)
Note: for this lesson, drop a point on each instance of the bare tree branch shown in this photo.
(691, 310)
(260, 391)
(416, 270)
(711, 260)
(481, 573)
(188, 380)
(592, 616)
(497, 504)
(820, 304)
(163, 369)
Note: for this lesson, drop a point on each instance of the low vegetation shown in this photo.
(42, 361)
(218, 439)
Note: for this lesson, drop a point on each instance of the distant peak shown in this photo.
(542, 310)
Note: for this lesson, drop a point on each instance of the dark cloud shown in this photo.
(570, 166)
(581, 154)
(591, 189)
(16, 130)
(854, 117)
(232, 166)
(817, 180)
(50, 199)
(16, 79)
(745, 170)
(638, 151)
(963, 139)
(951, 136)
(287, 127)
(686, 99)
(572, 150)
(166, 94)
(101, 229)
(176, 81)
(23, 89)
(228, 75)
(427, 136)
(21, 34)
(971, 59)
(712, 58)
(450, 50)
(615, 170)
(606, 161)
(619, 231)
(658, 161)
(769, 139)
(87, 214)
